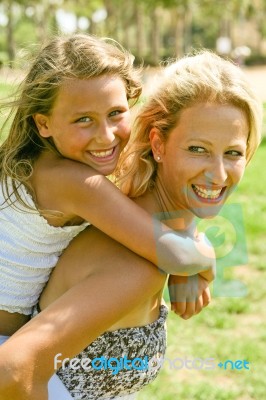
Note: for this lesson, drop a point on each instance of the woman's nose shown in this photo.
(216, 173)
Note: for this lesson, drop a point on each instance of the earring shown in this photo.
(158, 158)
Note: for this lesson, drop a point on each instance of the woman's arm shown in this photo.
(188, 294)
(118, 282)
(82, 191)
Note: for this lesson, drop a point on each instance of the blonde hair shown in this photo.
(204, 77)
(77, 56)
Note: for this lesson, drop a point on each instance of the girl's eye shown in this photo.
(197, 149)
(84, 119)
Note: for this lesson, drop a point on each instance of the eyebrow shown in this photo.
(115, 107)
(195, 139)
(79, 113)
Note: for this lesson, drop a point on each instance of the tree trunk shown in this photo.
(155, 36)
(111, 19)
(179, 31)
(188, 18)
(140, 37)
(10, 34)
(126, 16)
(42, 13)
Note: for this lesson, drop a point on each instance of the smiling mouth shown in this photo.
(102, 154)
(208, 194)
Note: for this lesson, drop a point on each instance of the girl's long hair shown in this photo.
(77, 56)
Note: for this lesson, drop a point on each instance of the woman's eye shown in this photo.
(235, 153)
(114, 113)
(197, 149)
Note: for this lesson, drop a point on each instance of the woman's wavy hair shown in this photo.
(197, 78)
(78, 56)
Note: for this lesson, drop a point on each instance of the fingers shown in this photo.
(188, 295)
(206, 297)
(199, 305)
(178, 308)
(187, 309)
(190, 310)
(184, 309)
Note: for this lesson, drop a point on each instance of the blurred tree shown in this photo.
(44, 17)
(180, 25)
(256, 10)
(152, 29)
(10, 32)
(154, 11)
(90, 14)
(139, 17)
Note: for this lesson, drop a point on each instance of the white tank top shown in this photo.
(29, 249)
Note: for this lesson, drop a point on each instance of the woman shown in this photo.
(192, 142)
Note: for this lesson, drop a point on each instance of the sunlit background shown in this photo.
(152, 29)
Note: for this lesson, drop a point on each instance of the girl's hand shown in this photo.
(188, 295)
(19, 378)
(14, 392)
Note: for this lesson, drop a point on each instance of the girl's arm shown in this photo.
(79, 190)
(118, 282)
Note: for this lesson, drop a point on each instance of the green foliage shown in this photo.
(5, 90)
(171, 26)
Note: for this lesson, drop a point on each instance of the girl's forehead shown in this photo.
(96, 82)
(98, 94)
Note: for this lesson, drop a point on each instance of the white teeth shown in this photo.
(207, 193)
(102, 153)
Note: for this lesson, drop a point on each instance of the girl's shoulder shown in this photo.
(62, 184)
(53, 165)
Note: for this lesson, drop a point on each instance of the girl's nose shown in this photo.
(105, 133)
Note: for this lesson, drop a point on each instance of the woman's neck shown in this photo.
(158, 202)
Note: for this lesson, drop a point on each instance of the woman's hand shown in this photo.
(188, 295)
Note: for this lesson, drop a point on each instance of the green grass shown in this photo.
(230, 327)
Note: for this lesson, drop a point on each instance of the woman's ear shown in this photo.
(157, 144)
(41, 122)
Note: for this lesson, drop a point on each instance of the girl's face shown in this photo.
(204, 157)
(89, 121)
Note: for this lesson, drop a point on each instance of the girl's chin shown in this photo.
(104, 170)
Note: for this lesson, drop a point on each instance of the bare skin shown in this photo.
(64, 277)
(101, 294)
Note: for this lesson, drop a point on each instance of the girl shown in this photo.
(70, 125)
(192, 142)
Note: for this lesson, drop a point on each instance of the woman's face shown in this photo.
(204, 157)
